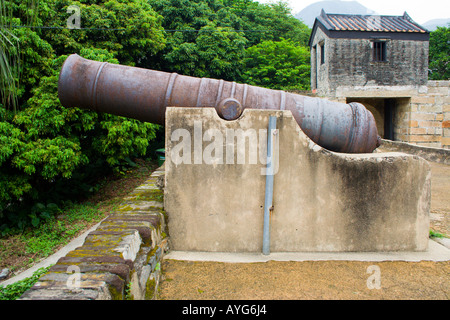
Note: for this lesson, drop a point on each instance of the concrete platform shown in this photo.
(435, 252)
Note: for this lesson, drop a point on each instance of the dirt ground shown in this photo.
(319, 280)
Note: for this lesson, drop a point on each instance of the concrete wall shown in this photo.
(323, 201)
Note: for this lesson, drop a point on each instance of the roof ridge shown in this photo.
(368, 22)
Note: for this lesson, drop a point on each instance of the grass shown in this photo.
(20, 251)
(60, 230)
(435, 234)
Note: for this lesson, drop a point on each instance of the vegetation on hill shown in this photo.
(439, 54)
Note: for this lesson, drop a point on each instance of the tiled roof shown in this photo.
(352, 22)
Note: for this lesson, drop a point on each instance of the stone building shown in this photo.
(382, 62)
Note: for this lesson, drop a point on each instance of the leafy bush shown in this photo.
(209, 38)
(439, 57)
(50, 154)
(278, 65)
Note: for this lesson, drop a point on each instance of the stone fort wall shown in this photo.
(428, 121)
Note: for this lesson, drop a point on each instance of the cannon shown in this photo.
(144, 94)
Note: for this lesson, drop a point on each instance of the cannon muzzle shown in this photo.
(144, 94)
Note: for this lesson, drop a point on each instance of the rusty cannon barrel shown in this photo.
(144, 94)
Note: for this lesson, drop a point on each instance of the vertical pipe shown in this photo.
(269, 184)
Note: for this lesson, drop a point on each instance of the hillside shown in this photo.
(309, 14)
(433, 24)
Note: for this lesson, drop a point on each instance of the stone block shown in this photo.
(423, 89)
(100, 293)
(424, 138)
(443, 83)
(420, 116)
(114, 254)
(82, 286)
(133, 205)
(120, 269)
(418, 131)
(430, 124)
(414, 123)
(443, 91)
(422, 99)
(445, 141)
(430, 108)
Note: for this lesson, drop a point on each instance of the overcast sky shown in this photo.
(420, 11)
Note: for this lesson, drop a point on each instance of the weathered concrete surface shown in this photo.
(323, 201)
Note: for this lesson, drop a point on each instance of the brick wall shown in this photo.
(429, 119)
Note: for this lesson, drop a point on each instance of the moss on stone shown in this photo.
(150, 288)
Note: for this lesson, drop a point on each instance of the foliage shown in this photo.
(435, 234)
(216, 53)
(15, 290)
(56, 232)
(128, 29)
(278, 65)
(208, 38)
(48, 153)
(264, 22)
(439, 54)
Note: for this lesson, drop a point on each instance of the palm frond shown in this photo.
(9, 60)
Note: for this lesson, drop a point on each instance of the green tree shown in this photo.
(216, 52)
(439, 54)
(201, 40)
(278, 65)
(129, 29)
(48, 153)
(10, 57)
(271, 21)
(208, 38)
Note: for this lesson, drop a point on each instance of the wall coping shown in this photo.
(439, 155)
(120, 259)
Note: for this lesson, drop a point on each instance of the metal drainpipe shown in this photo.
(269, 184)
